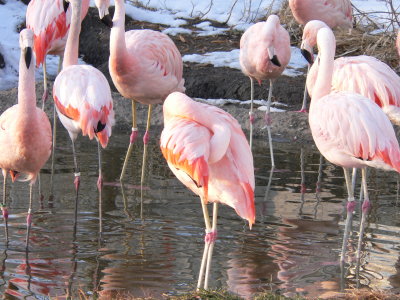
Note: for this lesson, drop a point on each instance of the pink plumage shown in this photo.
(335, 13)
(259, 44)
(145, 65)
(349, 130)
(362, 74)
(50, 24)
(208, 152)
(25, 131)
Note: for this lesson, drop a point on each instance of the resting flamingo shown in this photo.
(349, 130)
(264, 55)
(145, 66)
(25, 130)
(335, 13)
(362, 74)
(83, 100)
(207, 151)
(50, 21)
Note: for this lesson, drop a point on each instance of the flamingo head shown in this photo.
(26, 44)
(309, 39)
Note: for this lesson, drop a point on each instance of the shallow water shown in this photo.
(293, 248)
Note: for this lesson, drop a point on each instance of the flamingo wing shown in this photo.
(50, 25)
(160, 61)
(348, 130)
(188, 142)
(82, 94)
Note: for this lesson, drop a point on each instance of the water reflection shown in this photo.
(293, 247)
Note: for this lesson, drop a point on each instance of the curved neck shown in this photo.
(117, 35)
(326, 53)
(72, 46)
(26, 84)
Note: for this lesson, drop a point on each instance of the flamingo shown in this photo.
(25, 130)
(264, 55)
(82, 97)
(349, 130)
(207, 151)
(50, 21)
(361, 74)
(335, 13)
(145, 66)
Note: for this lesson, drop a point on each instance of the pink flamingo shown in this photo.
(335, 13)
(83, 100)
(264, 55)
(25, 130)
(349, 130)
(362, 74)
(207, 151)
(50, 21)
(145, 66)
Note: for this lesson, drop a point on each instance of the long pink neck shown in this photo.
(117, 35)
(72, 46)
(26, 84)
(326, 46)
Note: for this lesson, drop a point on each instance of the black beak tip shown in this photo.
(65, 5)
(107, 21)
(275, 61)
(28, 56)
(307, 55)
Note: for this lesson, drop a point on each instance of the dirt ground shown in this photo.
(201, 81)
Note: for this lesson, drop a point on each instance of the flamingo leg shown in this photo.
(145, 144)
(209, 240)
(45, 89)
(212, 242)
(77, 174)
(40, 191)
(251, 113)
(4, 205)
(304, 105)
(206, 244)
(350, 210)
(53, 148)
(131, 141)
(53, 145)
(99, 187)
(29, 217)
(365, 209)
(268, 122)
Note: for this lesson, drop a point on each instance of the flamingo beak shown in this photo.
(308, 56)
(14, 175)
(65, 5)
(307, 52)
(272, 56)
(28, 56)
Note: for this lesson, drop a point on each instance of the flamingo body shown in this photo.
(362, 74)
(259, 43)
(84, 103)
(348, 130)
(150, 69)
(208, 152)
(335, 13)
(50, 24)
